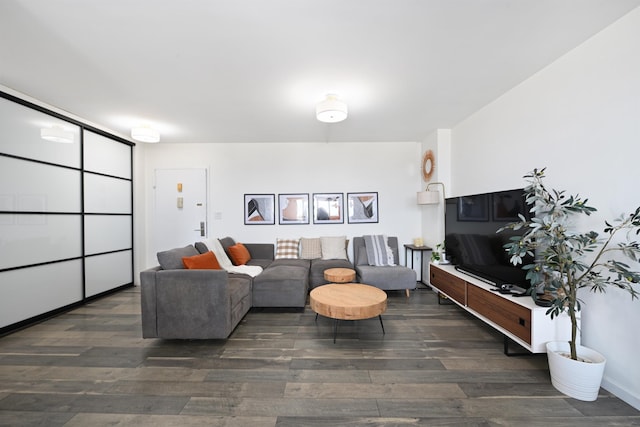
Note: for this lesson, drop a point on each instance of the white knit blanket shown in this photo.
(215, 246)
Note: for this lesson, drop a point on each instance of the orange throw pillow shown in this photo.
(206, 261)
(239, 254)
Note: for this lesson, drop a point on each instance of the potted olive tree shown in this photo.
(566, 261)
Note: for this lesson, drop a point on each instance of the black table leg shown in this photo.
(381, 324)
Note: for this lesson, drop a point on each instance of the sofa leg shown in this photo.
(407, 291)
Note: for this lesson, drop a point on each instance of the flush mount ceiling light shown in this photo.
(56, 133)
(145, 134)
(331, 110)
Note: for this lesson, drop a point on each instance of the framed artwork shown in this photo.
(294, 208)
(506, 205)
(362, 207)
(473, 208)
(328, 208)
(259, 209)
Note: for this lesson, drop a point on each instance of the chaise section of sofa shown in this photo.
(282, 283)
(396, 277)
(285, 283)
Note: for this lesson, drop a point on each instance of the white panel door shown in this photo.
(180, 211)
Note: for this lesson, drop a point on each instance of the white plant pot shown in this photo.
(580, 380)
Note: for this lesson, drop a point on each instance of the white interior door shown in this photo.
(180, 211)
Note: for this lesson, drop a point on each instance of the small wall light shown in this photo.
(430, 197)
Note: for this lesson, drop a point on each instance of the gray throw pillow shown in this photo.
(201, 247)
(172, 259)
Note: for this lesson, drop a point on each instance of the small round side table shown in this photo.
(340, 275)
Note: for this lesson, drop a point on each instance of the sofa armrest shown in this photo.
(148, 302)
(184, 303)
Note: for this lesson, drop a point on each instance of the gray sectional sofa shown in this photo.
(209, 304)
(179, 303)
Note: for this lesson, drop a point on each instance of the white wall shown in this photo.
(579, 117)
(391, 169)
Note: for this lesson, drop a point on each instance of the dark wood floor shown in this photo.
(436, 366)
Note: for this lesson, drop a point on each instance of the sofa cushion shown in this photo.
(239, 288)
(264, 263)
(239, 254)
(386, 277)
(304, 263)
(172, 259)
(205, 261)
(318, 266)
(281, 286)
(334, 247)
(310, 248)
(287, 248)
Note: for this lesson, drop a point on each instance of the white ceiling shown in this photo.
(253, 70)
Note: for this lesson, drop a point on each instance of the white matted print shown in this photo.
(328, 208)
(294, 208)
(362, 207)
(259, 209)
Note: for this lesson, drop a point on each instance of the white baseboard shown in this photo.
(621, 393)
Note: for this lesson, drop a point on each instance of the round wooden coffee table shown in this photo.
(339, 275)
(348, 301)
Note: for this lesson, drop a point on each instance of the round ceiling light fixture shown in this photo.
(331, 110)
(145, 134)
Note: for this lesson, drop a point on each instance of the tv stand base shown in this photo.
(519, 320)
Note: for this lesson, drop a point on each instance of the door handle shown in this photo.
(201, 229)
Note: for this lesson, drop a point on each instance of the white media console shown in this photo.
(517, 318)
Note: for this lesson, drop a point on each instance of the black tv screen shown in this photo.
(471, 241)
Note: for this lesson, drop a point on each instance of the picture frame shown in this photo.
(293, 208)
(473, 208)
(328, 208)
(362, 207)
(506, 205)
(259, 209)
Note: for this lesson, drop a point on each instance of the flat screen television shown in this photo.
(471, 241)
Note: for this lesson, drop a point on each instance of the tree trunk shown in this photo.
(574, 324)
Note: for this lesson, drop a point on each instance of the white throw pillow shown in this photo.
(334, 247)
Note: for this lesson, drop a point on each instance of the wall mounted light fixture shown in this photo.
(430, 197)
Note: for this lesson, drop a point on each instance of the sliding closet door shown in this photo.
(65, 212)
(108, 214)
(40, 215)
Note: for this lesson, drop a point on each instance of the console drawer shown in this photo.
(453, 286)
(511, 316)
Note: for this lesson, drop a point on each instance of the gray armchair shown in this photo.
(395, 277)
